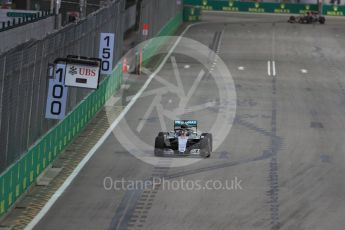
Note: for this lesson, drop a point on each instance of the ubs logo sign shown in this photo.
(73, 70)
(87, 72)
(82, 71)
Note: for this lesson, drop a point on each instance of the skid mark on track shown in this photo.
(253, 127)
(215, 47)
(264, 156)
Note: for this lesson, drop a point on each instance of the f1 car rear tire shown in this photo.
(206, 145)
(292, 19)
(322, 20)
(159, 145)
(211, 142)
(310, 20)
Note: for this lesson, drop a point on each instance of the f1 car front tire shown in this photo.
(206, 145)
(159, 144)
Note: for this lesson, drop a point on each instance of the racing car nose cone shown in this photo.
(182, 144)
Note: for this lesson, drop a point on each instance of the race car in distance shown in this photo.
(183, 141)
(308, 18)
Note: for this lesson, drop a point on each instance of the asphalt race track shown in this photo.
(285, 148)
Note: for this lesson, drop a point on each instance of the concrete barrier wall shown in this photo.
(130, 17)
(18, 35)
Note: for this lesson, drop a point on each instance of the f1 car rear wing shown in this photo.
(178, 124)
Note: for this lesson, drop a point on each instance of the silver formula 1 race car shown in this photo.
(308, 18)
(184, 141)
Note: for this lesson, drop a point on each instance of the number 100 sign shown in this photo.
(57, 94)
(106, 52)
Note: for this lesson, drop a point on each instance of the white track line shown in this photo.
(269, 68)
(153, 105)
(184, 101)
(80, 166)
(304, 71)
(274, 68)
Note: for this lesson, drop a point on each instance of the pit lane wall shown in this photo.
(264, 7)
(18, 178)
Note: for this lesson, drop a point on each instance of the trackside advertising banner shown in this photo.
(333, 10)
(266, 7)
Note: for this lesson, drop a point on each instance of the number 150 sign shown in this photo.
(106, 51)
